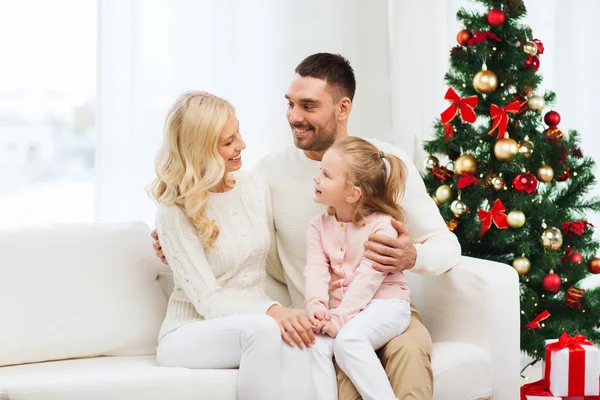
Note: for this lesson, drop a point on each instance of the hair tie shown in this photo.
(381, 154)
(386, 165)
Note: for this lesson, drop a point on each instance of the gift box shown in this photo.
(572, 367)
(538, 391)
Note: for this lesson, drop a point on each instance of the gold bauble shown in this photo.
(436, 201)
(551, 238)
(545, 173)
(536, 103)
(526, 148)
(516, 219)
(466, 164)
(459, 208)
(443, 194)
(431, 162)
(495, 181)
(485, 81)
(522, 265)
(505, 149)
(530, 48)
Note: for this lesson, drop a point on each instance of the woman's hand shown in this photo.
(295, 328)
(158, 248)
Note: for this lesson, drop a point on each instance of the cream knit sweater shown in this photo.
(231, 278)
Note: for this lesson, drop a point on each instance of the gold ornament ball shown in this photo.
(466, 164)
(485, 81)
(495, 181)
(522, 265)
(526, 148)
(530, 48)
(443, 194)
(459, 208)
(536, 103)
(505, 149)
(431, 162)
(545, 173)
(551, 238)
(436, 201)
(516, 219)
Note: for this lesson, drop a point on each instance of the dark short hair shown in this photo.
(333, 68)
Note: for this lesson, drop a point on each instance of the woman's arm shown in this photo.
(189, 264)
(316, 273)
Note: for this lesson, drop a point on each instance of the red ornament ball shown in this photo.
(540, 45)
(525, 182)
(552, 118)
(593, 265)
(564, 176)
(532, 62)
(551, 283)
(463, 37)
(575, 257)
(496, 17)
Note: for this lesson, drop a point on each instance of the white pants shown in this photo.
(269, 369)
(354, 349)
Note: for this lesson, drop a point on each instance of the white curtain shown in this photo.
(246, 51)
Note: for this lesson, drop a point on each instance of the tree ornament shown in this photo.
(593, 265)
(522, 265)
(443, 194)
(552, 119)
(553, 134)
(500, 117)
(575, 228)
(495, 181)
(464, 36)
(551, 282)
(466, 164)
(536, 103)
(574, 298)
(516, 219)
(532, 62)
(495, 215)
(452, 224)
(535, 323)
(485, 81)
(545, 173)
(525, 182)
(572, 256)
(505, 149)
(526, 147)
(462, 106)
(564, 176)
(459, 208)
(551, 238)
(540, 46)
(431, 162)
(530, 48)
(496, 17)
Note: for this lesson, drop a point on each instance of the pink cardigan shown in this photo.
(338, 276)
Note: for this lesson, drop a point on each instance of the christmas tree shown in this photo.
(509, 181)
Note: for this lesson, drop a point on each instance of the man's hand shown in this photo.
(326, 328)
(157, 248)
(295, 328)
(391, 255)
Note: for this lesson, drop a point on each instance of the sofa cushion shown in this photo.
(77, 291)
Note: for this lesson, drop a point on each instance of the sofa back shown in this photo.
(80, 290)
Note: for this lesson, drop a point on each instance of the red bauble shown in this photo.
(463, 37)
(574, 257)
(532, 62)
(593, 265)
(496, 17)
(540, 46)
(551, 283)
(525, 182)
(552, 119)
(564, 176)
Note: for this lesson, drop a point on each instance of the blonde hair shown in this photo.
(365, 168)
(188, 162)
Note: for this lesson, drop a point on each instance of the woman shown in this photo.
(214, 231)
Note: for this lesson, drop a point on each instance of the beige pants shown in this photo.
(407, 362)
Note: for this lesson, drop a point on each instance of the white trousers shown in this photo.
(354, 350)
(269, 369)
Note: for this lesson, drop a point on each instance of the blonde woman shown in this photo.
(214, 231)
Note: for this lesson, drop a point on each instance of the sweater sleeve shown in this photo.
(187, 259)
(365, 283)
(316, 273)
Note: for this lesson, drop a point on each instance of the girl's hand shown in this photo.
(328, 328)
(315, 316)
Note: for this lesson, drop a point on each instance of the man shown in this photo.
(319, 104)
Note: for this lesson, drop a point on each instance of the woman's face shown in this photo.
(231, 144)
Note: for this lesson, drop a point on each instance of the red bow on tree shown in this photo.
(466, 181)
(465, 106)
(495, 215)
(575, 227)
(500, 117)
(535, 324)
(480, 37)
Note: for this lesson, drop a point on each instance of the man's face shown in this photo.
(312, 113)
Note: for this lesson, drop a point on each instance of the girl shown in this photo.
(214, 231)
(354, 308)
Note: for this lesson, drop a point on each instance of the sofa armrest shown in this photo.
(475, 302)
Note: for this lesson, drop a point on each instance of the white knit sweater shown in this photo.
(231, 278)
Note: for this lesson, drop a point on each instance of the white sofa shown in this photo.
(81, 305)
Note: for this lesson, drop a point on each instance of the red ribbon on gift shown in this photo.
(495, 215)
(535, 389)
(535, 324)
(576, 361)
(464, 105)
(500, 117)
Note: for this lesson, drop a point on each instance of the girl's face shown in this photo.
(231, 144)
(331, 185)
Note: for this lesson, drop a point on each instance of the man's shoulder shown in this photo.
(275, 159)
